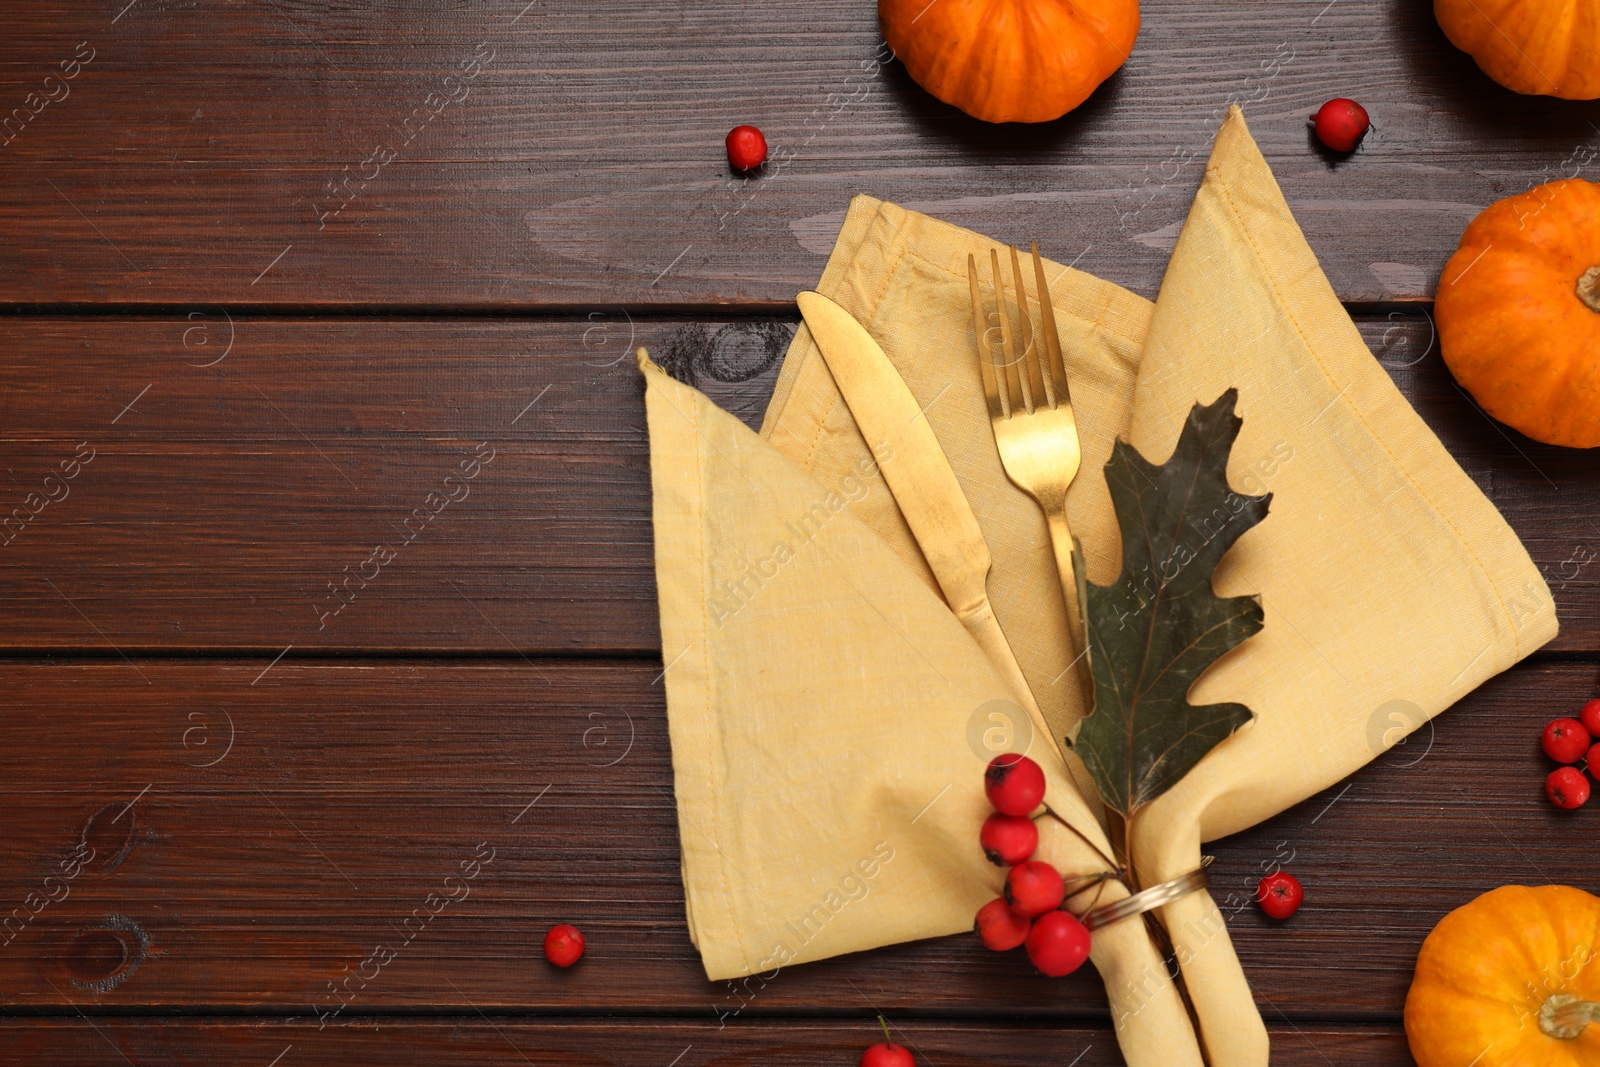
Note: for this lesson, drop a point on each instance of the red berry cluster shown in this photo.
(1572, 741)
(1030, 912)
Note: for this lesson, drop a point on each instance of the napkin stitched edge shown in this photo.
(1430, 468)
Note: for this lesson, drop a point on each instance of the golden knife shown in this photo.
(920, 478)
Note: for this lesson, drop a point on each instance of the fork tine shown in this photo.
(1024, 320)
(1055, 363)
(1016, 386)
(999, 403)
(997, 360)
(1034, 372)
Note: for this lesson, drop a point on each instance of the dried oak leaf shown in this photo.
(1156, 630)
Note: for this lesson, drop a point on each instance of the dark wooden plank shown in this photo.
(222, 500)
(217, 503)
(476, 1041)
(583, 164)
(350, 792)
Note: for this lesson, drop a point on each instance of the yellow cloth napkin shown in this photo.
(830, 718)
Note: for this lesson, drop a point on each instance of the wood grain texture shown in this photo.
(198, 175)
(223, 500)
(239, 504)
(350, 793)
(480, 1041)
(571, 154)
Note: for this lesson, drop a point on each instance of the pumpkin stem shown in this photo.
(1565, 1016)
(1589, 289)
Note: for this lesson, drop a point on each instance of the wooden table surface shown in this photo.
(273, 271)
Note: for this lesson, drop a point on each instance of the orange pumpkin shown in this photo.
(1010, 60)
(1542, 47)
(1511, 979)
(1519, 312)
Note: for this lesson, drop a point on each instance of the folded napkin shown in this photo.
(830, 717)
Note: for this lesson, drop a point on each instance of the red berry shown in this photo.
(1340, 124)
(1015, 784)
(1008, 839)
(747, 149)
(1034, 888)
(1565, 740)
(1590, 717)
(1593, 761)
(886, 1053)
(1280, 894)
(1058, 943)
(1567, 788)
(563, 945)
(1000, 928)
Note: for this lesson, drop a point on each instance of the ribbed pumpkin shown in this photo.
(1511, 979)
(1519, 312)
(1010, 60)
(1543, 47)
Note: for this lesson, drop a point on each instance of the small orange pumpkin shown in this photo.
(1511, 979)
(1010, 60)
(1519, 312)
(1541, 47)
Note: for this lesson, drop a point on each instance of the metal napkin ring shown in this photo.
(1150, 899)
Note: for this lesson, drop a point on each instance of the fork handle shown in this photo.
(1061, 541)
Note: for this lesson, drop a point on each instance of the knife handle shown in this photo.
(985, 629)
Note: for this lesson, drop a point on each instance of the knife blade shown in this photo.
(920, 479)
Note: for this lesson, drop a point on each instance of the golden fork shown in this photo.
(1030, 409)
